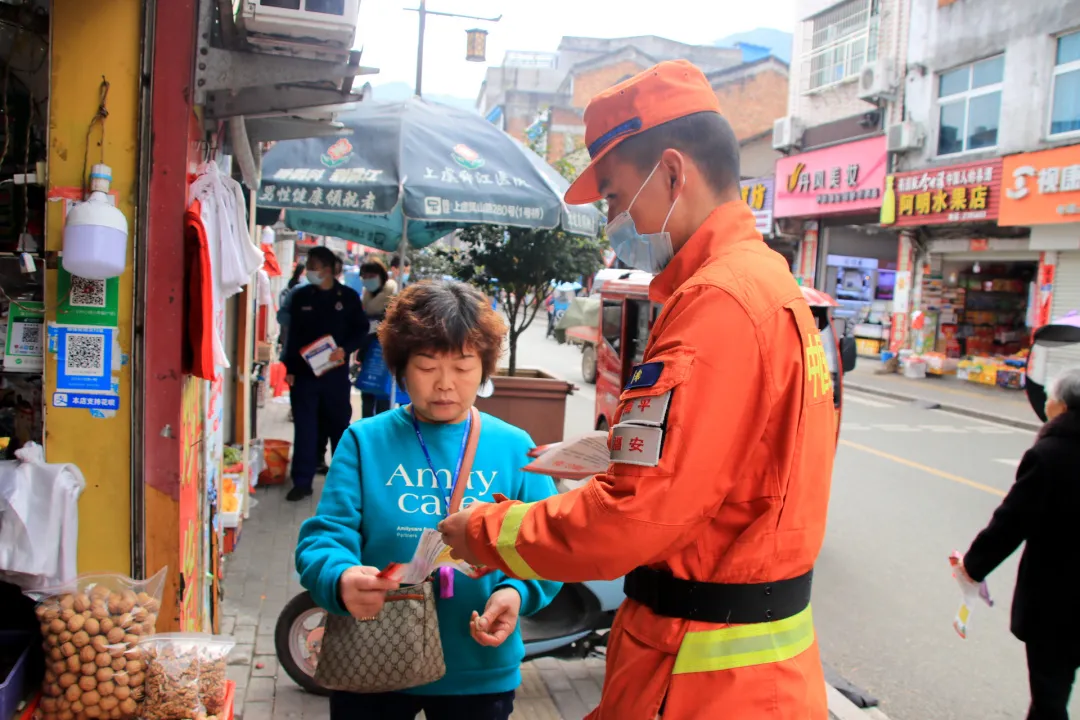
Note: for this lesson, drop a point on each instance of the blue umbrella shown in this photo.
(415, 170)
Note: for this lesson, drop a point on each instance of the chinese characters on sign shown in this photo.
(444, 206)
(317, 197)
(1045, 187)
(840, 179)
(963, 193)
(758, 194)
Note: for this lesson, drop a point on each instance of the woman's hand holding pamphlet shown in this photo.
(972, 592)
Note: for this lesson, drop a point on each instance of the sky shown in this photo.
(387, 32)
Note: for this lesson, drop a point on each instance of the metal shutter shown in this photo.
(1066, 298)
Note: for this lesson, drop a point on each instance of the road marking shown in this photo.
(860, 400)
(1006, 461)
(924, 468)
(937, 429)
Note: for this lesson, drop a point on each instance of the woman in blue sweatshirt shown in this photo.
(388, 482)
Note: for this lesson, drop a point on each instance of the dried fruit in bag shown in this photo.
(91, 627)
(185, 676)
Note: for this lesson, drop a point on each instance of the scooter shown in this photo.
(573, 626)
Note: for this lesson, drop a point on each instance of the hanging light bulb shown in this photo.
(977, 269)
(96, 232)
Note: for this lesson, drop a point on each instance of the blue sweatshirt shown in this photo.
(380, 482)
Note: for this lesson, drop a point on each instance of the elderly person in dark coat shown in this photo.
(1042, 508)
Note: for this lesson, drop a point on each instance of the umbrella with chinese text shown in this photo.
(418, 170)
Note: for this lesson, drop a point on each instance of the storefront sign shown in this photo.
(960, 193)
(979, 244)
(842, 179)
(1042, 188)
(87, 401)
(758, 194)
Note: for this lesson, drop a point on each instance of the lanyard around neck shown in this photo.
(448, 492)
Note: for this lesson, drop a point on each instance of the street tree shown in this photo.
(519, 265)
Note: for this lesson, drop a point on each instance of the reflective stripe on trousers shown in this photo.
(745, 645)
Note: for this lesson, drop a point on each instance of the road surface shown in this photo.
(910, 485)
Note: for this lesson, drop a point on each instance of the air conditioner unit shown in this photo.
(877, 81)
(787, 133)
(903, 136)
(305, 22)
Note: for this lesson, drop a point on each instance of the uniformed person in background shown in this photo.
(321, 406)
(714, 503)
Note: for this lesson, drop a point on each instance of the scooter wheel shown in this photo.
(297, 638)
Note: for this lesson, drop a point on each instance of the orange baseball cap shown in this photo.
(663, 93)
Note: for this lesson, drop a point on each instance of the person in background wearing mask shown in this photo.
(400, 277)
(320, 405)
(714, 503)
(379, 288)
(1041, 510)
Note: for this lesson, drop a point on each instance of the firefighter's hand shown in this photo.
(290, 379)
(454, 531)
(499, 619)
(338, 355)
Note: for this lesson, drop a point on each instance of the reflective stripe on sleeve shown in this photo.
(506, 544)
(745, 645)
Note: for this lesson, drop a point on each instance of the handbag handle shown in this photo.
(466, 462)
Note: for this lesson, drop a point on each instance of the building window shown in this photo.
(969, 106)
(845, 39)
(1065, 103)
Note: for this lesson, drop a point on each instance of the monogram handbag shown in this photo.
(401, 648)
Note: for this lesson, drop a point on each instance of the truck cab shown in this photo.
(627, 315)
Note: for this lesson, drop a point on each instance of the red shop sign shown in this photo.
(844, 178)
(954, 194)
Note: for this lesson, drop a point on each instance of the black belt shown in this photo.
(667, 595)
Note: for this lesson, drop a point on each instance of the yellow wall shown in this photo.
(91, 39)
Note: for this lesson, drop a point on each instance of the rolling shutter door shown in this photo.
(1066, 299)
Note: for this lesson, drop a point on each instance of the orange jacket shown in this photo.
(740, 490)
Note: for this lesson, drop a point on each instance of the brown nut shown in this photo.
(69, 649)
(92, 711)
(81, 639)
(105, 674)
(58, 668)
(122, 679)
(48, 704)
(118, 664)
(65, 715)
(116, 714)
(108, 703)
(87, 654)
(87, 683)
(129, 706)
(65, 636)
(73, 693)
(73, 664)
(91, 698)
(77, 706)
(76, 623)
(140, 614)
(99, 611)
(121, 692)
(57, 626)
(67, 680)
(80, 603)
(116, 635)
(100, 643)
(52, 640)
(89, 668)
(99, 592)
(103, 660)
(66, 601)
(66, 614)
(106, 688)
(92, 625)
(106, 624)
(147, 628)
(131, 639)
(137, 680)
(50, 677)
(134, 666)
(55, 654)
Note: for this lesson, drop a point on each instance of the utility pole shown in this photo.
(424, 12)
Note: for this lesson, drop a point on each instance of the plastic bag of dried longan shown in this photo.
(185, 676)
(91, 627)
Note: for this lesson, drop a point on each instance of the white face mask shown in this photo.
(315, 277)
(650, 252)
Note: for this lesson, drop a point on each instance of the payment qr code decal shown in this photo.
(85, 354)
(30, 335)
(87, 293)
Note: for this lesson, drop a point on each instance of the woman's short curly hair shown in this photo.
(441, 316)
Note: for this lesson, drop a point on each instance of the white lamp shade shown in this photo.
(95, 239)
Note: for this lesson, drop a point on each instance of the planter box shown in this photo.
(533, 400)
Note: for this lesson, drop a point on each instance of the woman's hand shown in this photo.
(499, 619)
(338, 355)
(363, 592)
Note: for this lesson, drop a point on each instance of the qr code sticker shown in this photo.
(30, 335)
(87, 293)
(85, 355)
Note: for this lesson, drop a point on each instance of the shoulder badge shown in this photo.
(645, 375)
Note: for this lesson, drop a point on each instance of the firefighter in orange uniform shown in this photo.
(714, 504)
